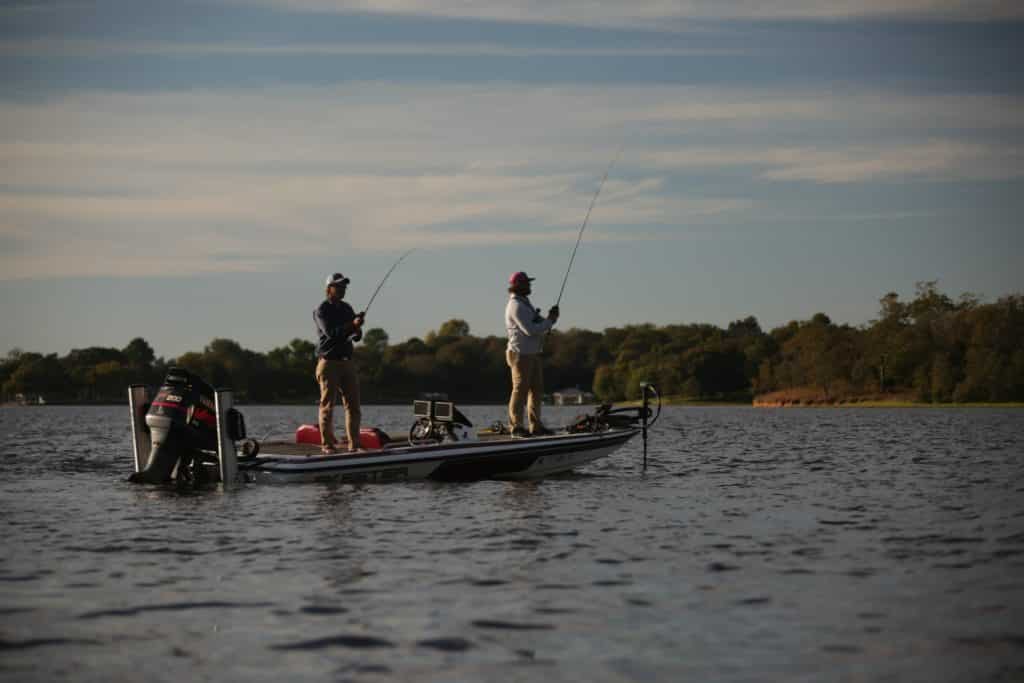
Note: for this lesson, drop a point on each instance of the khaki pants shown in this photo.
(527, 388)
(334, 376)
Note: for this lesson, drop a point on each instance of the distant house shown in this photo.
(434, 396)
(572, 397)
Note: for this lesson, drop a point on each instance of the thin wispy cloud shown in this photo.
(410, 129)
(145, 184)
(43, 47)
(180, 182)
(660, 14)
(881, 109)
(945, 160)
(267, 222)
(939, 159)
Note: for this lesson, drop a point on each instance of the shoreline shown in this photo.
(899, 401)
(870, 403)
(667, 401)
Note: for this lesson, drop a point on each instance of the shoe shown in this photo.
(541, 430)
(520, 433)
(328, 449)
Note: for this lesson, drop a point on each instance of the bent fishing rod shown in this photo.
(385, 279)
(356, 336)
(584, 226)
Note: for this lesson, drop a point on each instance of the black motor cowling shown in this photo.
(182, 422)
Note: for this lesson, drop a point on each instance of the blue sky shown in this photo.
(191, 170)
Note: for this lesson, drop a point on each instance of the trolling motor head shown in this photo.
(182, 422)
(605, 416)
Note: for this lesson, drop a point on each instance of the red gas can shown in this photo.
(369, 437)
(307, 434)
(372, 438)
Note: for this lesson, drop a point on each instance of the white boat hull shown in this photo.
(437, 452)
(492, 459)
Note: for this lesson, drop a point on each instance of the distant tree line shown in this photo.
(933, 348)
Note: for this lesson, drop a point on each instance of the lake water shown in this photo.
(760, 545)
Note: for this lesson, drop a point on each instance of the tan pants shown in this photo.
(334, 376)
(527, 388)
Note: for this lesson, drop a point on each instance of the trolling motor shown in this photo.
(606, 417)
(182, 428)
(437, 422)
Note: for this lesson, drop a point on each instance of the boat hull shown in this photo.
(460, 461)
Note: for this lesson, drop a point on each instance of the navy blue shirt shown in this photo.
(333, 327)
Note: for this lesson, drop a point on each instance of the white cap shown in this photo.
(336, 279)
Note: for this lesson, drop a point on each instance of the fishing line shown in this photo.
(358, 335)
(584, 226)
(386, 275)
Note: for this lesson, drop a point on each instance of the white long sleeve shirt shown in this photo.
(525, 326)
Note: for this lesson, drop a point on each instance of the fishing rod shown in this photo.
(386, 275)
(584, 226)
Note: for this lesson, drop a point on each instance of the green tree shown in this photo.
(38, 375)
(375, 339)
(139, 354)
(944, 349)
(455, 327)
(941, 380)
(110, 380)
(607, 385)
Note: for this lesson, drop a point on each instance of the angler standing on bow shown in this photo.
(337, 327)
(526, 329)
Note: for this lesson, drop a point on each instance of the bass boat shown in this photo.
(190, 433)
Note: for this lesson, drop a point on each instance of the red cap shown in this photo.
(519, 278)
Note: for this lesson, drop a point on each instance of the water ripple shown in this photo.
(446, 644)
(33, 643)
(170, 607)
(844, 544)
(511, 625)
(358, 642)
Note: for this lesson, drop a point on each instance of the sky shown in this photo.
(193, 170)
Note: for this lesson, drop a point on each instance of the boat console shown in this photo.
(438, 422)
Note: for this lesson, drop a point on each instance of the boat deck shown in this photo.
(396, 440)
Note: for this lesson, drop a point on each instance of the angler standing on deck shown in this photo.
(526, 329)
(337, 326)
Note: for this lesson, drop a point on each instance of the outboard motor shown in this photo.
(182, 422)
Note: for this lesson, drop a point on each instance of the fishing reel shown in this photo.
(538, 315)
(438, 422)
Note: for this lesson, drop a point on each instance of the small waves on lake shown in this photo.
(790, 544)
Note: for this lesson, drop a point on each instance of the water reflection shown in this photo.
(526, 498)
(821, 545)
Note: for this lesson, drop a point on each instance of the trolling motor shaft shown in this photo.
(645, 412)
